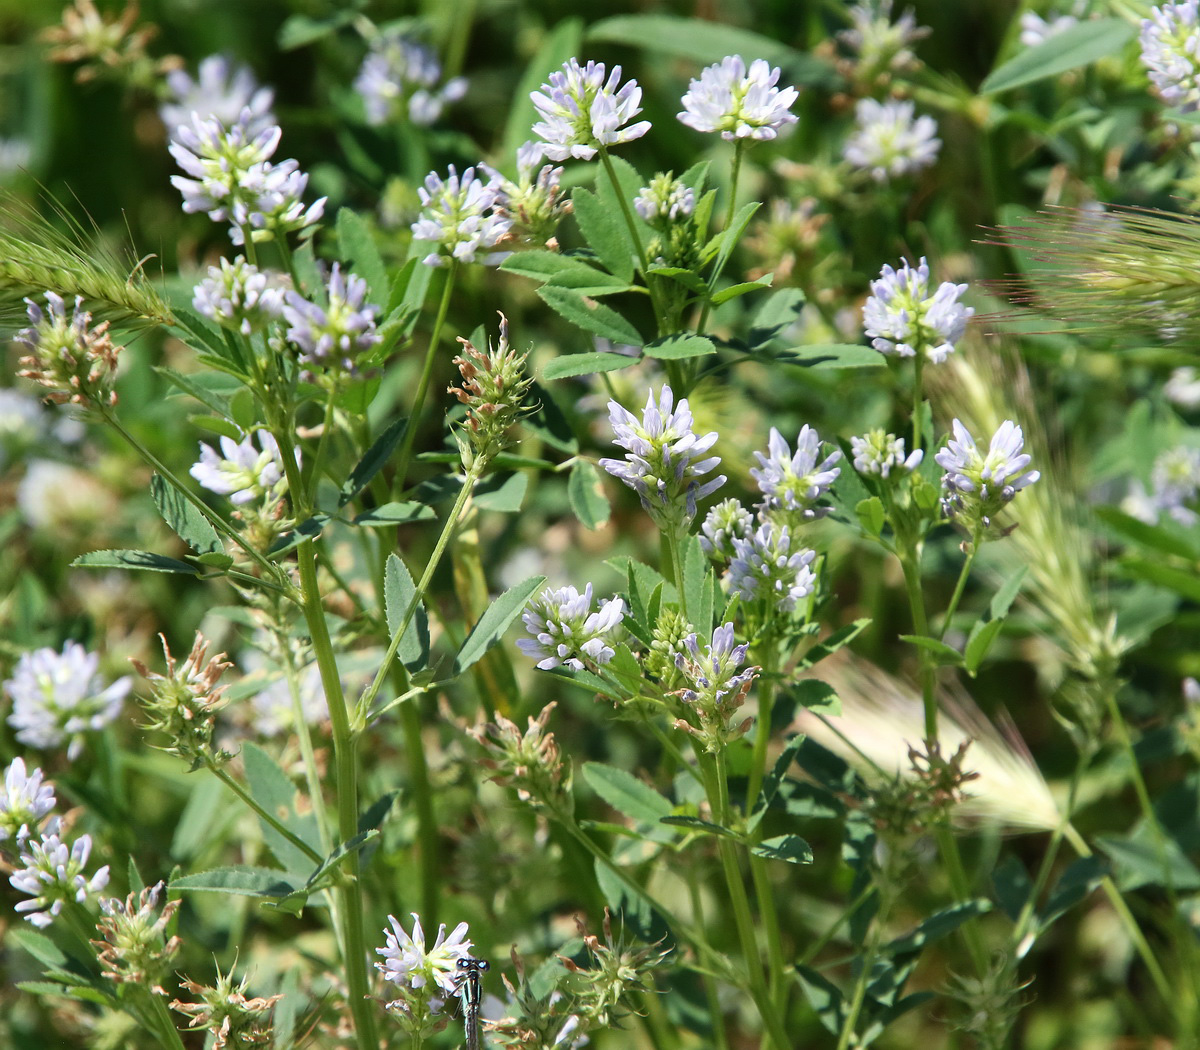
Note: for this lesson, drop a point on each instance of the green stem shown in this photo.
(730, 208)
(307, 754)
(715, 1013)
(161, 1019)
(631, 223)
(961, 583)
(265, 816)
(918, 368)
(414, 418)
(864, 975)
(910, 565)
(422, 800)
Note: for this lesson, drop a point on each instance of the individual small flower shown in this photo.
(1037, 30)
(1170, 40)
(582, 112)
(726, 522)
(52, 875)
(494, 385)
(222, 89)
(69, 356)
(335, 334)
(224, 1009)
(409, 963)
(665, 200)
(534, 203)
(244, 471)
(24, 801)
(739, 103)
(400, 76)
(240, 296)
(902, 319)
(881, 45)
(528, 760)
(767, 565)
(663, 461)
(714, 688)
(184, 702)
(459, 218)
(888, 142)
(796, 483)
(59, 697)
(567, 631)
(134, 947)
(881, 455)
(976, 485)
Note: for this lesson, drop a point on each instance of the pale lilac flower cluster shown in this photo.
(726, 522)
(1170, 40)
(737, 102)
(243, 471)
(431, 971)
(240, 296)
(1174, 489)
(889, 140)
(880, 43)
(665, 200)
(534, 203)
(795, 484)
(233, 179)
(1037, 30)
(903, 319)
(273, 710)
(52, 875)
(57, 698)
(460, 218)
(714, 688)
(24, 801)
(770, 565)
(978, 485)
(567, 631)
(582, 112)
(664, 458)
(880, 454)
(336, 333)
(223, 90)
(70, 356)
(400, 75)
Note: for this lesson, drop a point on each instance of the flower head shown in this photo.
(75, 360)
(567, 631)
(737, 102)
(881, 45)
(59, 697)
(534, 204)
(663, 461)
(400, 76)
(459, 218)
(1170, 40)
(1037, 30)
(726, 522)
(240, 296)
(978, 485)
(903, 319)
(582, 112)
(134, 947)
(528, 760)
(494, 385)
(889, 142)
(333, 335)
(234, 1019)
(714, 688)
(1175, 485)
(24, 801)
(244, 471)
(221, 89)
(52, 875)
(665, 200)
(766, 565)
(881, 454)
(433, 969)
(794, 484)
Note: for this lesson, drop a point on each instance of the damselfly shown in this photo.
(471, 994)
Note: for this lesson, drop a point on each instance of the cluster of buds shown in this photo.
(111, 46)
(225, 1012)
(185, 703)
(530, 761)
(134, 947)
(74, 360)
(534, 204)
(494, 385)
(714, 689)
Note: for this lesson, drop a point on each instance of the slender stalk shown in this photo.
(631, 223)
(730, 208)
(961, 583)
(162, 1021)
(864, 975)
(264, 815)
(414, 418)
(918, 368)
(720, 1038)
(910, 565)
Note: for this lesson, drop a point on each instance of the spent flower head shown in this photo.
(240, 296)
(738, 102)
(460, 219)
(106, 46)
(221, 88)
(24, 801)
(793, 485)
(769, 565)
(902, 318)
(978, 485)
(664, 458)
(880, 454)
(567, 631)
(74, 359)
(233, 1019)
(726, 522)
(399, 78)
(332, 336)
(889, 140)
(528, 760)
(582, 112)
(134, 947)
(494, 385)
(714, 688)
(665, 200)
(52, 876)
(1170, 40)
(57, 698)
